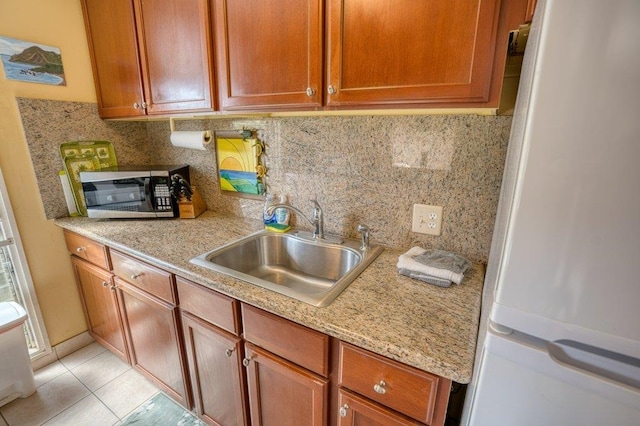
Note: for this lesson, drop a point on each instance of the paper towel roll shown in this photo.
(193, 140)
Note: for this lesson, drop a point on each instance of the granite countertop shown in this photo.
(424, 326)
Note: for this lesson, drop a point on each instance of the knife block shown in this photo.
(190, 209)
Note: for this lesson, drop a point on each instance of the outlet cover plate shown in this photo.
(427, 219)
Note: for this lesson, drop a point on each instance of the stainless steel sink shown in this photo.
(310, 270)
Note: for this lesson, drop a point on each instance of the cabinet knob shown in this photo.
(310, 92)
(343, 410)
(380, 387)
(331, 90)
(81, 249)
(144, 105)
(105, 283)
(135, 276)
(229, 352)
(113, 287)
(246, 361)
(136, 105)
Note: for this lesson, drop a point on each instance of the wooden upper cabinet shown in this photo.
(531, 7)
(176, 54)
(410, 52)
(111, 33)
(269, 53)
(150, 56)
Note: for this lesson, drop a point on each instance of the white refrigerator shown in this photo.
(559, 342)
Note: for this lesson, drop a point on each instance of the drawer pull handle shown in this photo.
(343, 410)
(380, 387)
(135, 276)
(81, 249)
(229, 352)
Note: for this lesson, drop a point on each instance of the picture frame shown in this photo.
(239, 160)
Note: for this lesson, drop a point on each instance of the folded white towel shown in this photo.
(408, 262)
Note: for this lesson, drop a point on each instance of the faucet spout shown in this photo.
(316, 221)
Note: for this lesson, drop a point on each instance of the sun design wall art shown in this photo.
(240, 170)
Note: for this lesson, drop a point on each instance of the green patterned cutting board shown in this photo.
(85, 156)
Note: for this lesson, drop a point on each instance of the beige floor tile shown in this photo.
(50, 399)
(100, 370)
(83, 355)
(90, 411)
(48, 373)
(123, 394)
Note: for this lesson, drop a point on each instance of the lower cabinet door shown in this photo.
(354, 410)
(151, 325)
(100, 306)
(217, 377)
(282, 393)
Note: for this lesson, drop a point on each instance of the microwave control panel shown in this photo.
(162, 195)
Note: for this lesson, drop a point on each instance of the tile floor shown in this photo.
(88, 387)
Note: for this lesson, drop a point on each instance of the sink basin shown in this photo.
(311, 271)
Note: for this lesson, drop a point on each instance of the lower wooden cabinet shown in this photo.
(100, 305)
(217, 376)
(282, 393)
(358, 411)
(392, 385)
(151, 326)
(239, 364)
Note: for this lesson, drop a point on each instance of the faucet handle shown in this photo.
(365, 230)
(318, 219)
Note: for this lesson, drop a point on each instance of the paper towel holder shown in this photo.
(172, 127)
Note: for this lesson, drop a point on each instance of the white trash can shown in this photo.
(16, 375)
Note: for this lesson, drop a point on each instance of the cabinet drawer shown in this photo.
(213, 307)
(301, 345)
(87, 249)
(144, 276)
(405, 389)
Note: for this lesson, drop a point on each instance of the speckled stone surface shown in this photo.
(370, 170)
(428, 327)
(362, 169)
(48, 123)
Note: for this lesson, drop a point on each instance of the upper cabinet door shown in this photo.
(150, 56)
(176, 54)
(410, 52)
(111, 32)
(269, 53)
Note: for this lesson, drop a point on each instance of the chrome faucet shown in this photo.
(317, 219)
(364, 229)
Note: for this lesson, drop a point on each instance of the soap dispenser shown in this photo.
(266, 217)
(283, 215)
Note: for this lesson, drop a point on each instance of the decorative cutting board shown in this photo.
(85, 156)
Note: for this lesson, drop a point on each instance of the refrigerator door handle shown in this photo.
(609, 365)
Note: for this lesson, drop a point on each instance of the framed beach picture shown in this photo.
(31, 62)
(240, 170)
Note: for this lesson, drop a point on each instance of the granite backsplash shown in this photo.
(362, 169)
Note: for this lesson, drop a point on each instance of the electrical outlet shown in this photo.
(427, 219)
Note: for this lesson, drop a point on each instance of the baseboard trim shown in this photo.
(63, 349)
